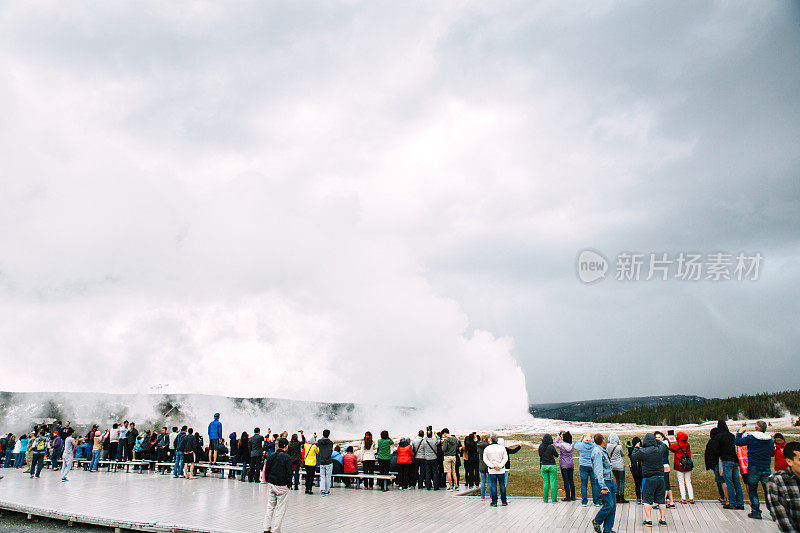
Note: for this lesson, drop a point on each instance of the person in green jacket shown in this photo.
(384, 456)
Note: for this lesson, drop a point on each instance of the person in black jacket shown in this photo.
(243, 453)
(296, 453)
(190, 448)
(636, 468)
(278, 473)
(725, 449)
(713, 463)
(650, 454)
(547, 464)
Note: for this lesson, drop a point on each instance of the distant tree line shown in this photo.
(746, 406)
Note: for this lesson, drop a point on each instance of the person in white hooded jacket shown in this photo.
(496, 457)
(615, 453)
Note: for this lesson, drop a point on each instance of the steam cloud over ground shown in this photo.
(382, 202)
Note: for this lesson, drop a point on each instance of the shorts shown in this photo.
(450, 465)
(213, 444)
(653, 490)
(188, 457)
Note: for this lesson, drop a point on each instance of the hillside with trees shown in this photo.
(746, 406)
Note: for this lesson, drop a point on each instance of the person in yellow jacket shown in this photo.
(310, 463)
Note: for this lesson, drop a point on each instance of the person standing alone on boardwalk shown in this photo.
(68, 455)
(214, 435)
(278, 473)
(496, 457)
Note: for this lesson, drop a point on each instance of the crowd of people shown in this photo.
(435, 461)
(747, 454)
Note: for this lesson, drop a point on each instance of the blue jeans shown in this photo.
(244, 469)
(177, 470)
(121, 450)
(18, 459)
(730, 472)
(756, 475)
(606, 513)
(325, 476)
(569, 482)
(494, 480)
(586, 475)
(9, 458)
(95, 459)
(484, 478)
(36, 464)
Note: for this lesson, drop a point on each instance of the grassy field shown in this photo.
(526, 480)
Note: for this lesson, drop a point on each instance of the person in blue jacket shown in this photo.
(214, 434)
(584, 448)
(759, 450)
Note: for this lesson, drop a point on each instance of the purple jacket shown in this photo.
(565, 459)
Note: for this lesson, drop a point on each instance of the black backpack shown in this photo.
(687, 465)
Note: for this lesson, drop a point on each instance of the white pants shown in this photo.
(66, 465)
(685, 482)
(325, 477)
(276, 507)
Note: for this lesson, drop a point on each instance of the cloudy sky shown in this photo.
(379, 203)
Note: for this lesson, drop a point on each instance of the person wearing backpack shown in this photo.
(40, 447)
(683, 465)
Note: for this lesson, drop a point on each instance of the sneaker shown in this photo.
(684, 502)
(504, 504)
(738, 507)
(598, 505)
(584, 504)
(647, 523)
(493, 504)
(754, 516)
(662, 523)
(691, 502)
(64, 480)
(596, 526)
(483, 498)
(728, 506)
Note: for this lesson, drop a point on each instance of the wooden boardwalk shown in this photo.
(152, 502)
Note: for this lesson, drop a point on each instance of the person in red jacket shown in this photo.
(680, 448)
(350, 465)
(405, 460)
(777, 452)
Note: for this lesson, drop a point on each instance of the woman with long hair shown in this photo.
(243, 453)
(566, 463)
(384, 453)
(296, 453)
(368, 450)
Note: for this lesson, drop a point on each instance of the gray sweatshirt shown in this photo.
(614, 449)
